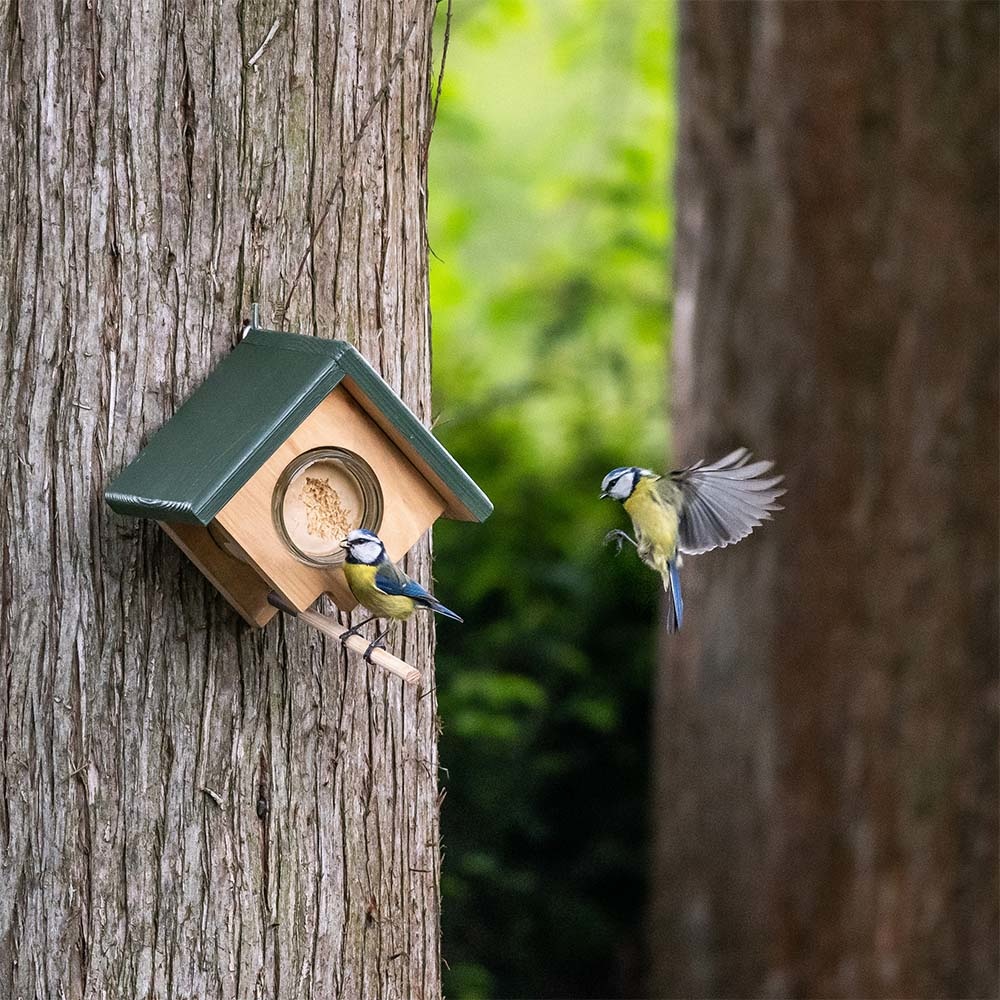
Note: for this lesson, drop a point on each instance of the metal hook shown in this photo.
(253, 323)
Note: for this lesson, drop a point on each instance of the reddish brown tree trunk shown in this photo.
(189, 808)
(826, 786)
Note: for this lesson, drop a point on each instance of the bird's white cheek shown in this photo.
(367, 552)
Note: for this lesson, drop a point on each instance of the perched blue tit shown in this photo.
(381, 586)
(691, 511)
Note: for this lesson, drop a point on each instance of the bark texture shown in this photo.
(826, 764)
(189, 808)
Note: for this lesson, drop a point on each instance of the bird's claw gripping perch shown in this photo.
(356, 629)
(378, 643)
(617, 537)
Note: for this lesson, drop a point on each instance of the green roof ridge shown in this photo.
(176, 476)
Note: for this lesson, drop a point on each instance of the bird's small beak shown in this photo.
(605, 494)
(345, 544)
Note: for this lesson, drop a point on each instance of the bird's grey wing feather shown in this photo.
(723, 502)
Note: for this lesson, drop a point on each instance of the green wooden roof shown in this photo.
(259, 393)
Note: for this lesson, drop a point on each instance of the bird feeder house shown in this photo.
(289, 444)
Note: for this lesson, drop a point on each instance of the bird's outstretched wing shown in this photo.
(391, 580)
(723, 502)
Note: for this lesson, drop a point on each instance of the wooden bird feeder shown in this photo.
(290, 443)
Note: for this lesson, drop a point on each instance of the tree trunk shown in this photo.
(826, 769)
(191, 808)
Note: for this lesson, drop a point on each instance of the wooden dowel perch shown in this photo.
(335, 630)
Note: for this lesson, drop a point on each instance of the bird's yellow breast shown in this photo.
(655, 523)
(361, 580)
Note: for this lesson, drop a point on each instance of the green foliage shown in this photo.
(549, 219)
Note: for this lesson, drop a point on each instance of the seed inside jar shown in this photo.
(321, 505)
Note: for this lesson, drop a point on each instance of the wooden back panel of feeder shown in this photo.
(410, 506)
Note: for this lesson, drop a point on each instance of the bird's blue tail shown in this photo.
(442, 610)
(675, 606)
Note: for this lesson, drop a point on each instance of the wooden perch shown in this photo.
(335, 630)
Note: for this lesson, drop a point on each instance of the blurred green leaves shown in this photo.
(549, 221)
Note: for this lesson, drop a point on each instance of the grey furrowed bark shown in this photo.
(190, 808)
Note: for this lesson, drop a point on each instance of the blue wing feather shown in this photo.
(396, 584)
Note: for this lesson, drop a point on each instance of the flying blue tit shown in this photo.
(381, 586)
(691, 511)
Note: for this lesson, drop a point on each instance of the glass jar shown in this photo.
(320, 497)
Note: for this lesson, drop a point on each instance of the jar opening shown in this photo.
(321, 496)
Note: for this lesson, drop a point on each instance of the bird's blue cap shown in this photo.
(360, 535)
(615, 473)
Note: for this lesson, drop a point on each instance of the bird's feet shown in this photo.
(356, 629)
(378, 643)
(617, 537)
